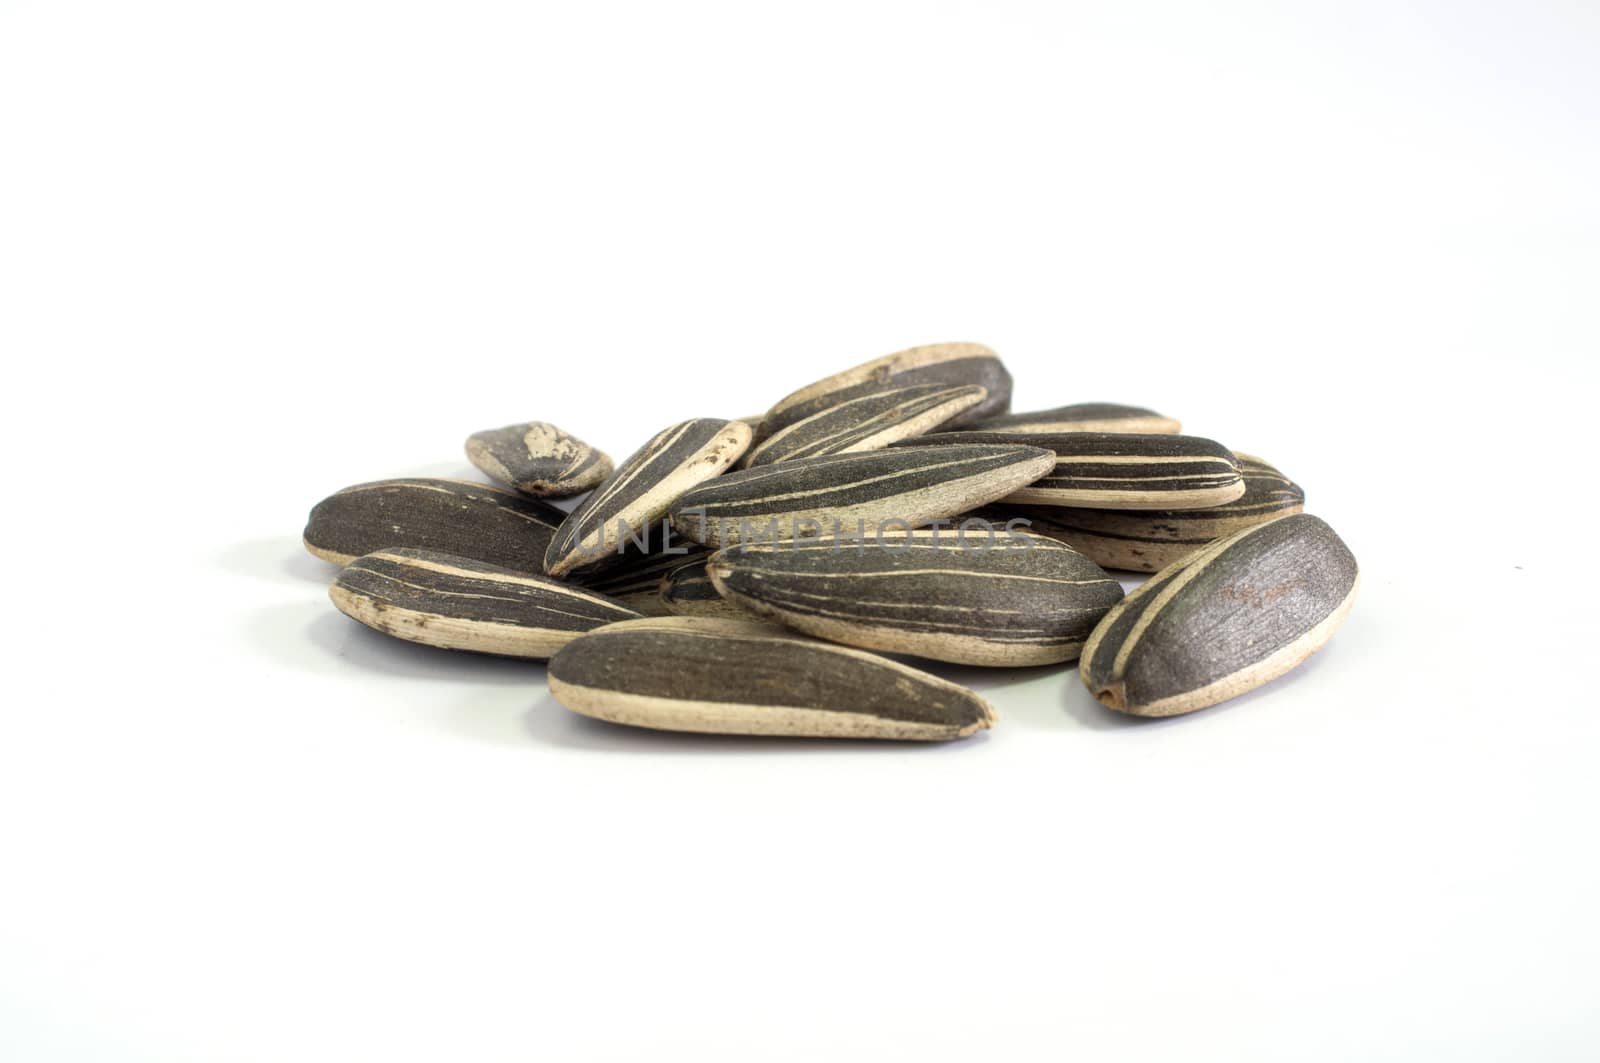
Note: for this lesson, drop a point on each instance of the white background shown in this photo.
(251, 253)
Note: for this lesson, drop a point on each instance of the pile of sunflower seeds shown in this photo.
(746, 576)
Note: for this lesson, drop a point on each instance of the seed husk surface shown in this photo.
(736, 677)
(1237, 614)
(472, 520)
(1083, 417)
(456, 603)
(1117, 470)
(538, 459)
(974, 596)
(639, 493)
(807, 497)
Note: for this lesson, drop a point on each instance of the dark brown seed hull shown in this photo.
(1235, 615)
(968, 597)
(1150, 540)
(639, 493)
(951, 364)
(868, 422)
(456, 603)
(732, 677)
(1083, 417)
(471, 520)
(538, 459)
(1114, 470)
(809, 497)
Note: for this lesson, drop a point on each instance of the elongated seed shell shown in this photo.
(688, 591)
(718, 676)
(639, 493)
(936, 363)
(1150, 540)
(538, 459)
(635, 579)
(1083, 417)
(452, 516)
(1116, 470)
(1239, 613)
(867, 422)
(807, 496)
(456, 603)
(981, 597)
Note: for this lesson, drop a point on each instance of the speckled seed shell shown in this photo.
(538, 459)
(639, 493)
(456, 603)
(635, 579)
(805, 497)
(1150, 540)
(867, 422)
(973, 597)
(718, 676)
(1236, 615)
(688, 591)
(1083, 417)
(452, 516)
(1116, 470)
(936, 363)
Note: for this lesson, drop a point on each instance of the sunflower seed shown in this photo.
(1236, 615)
(854, 493)
(1083, 417)
(937, 363)
(688, 591)
(719, 676)
(538, 459)
(1116, 470)
(1150, 540)
(635, 578)
(456, 603)
(639, 493)
(979, 596)
(452, 516)
(867, 422)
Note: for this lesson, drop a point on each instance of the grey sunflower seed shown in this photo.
(687, 591)
(452, 516)
(1236, 615)
(845, 493)
(456, 603)
(735, 677)
(979, 596)
(1083, 417)
(640, 492)
(867, 422)
(1115, 470)
(1150, 540)
(937, 363)
(635, 578)
(538, 459)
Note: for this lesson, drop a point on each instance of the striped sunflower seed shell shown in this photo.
(808, 497)
(1116, 470)
(688, 591)
(1235, 615)
(456, 603)
(635, 579)
(1083, 417)
(719, 676)
(936, 363)
(983, 597)
(452, 516)
(639, 493)
(538, 459)
(867, 422)
(1150, 540)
